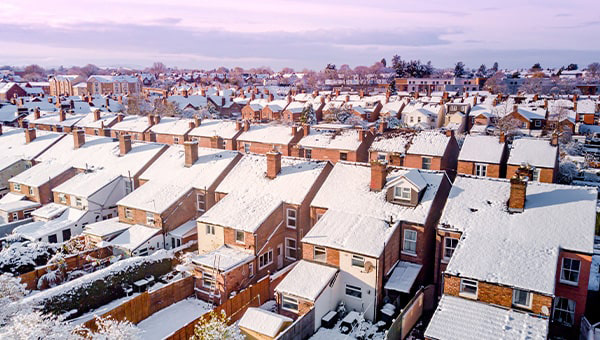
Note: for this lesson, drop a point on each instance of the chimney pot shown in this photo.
(124, 144)
(378, 175)
(78, 138)
(191, 153)
(273, 163)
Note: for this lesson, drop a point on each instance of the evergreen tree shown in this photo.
(459, 69)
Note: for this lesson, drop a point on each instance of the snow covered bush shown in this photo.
(22, 257)
(216, 327)
(567, 171)
(11, 291)
(110, 329)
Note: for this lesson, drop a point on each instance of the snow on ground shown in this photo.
(365, 330)
(169, 320)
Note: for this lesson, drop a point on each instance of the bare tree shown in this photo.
(496, 84)
(158, 67)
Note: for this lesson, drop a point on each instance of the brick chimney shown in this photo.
(518, 189)
(197, 121)
(36, 113)
(124, 144)
(382, 126)
(184, 93)
(120, 117)
(150, 120)
(96, 115)
(246, 125)
(62, 115)
(347, 98)
(107, 104)
(474, 100)
(361, 135)
(216, 142)
(0, 129)
(378, 175)
(294, 130)
(554, 139)
(450, 133)
(29, 135)
(120, 100)
(515, 108)
(273, 163)
(502, 138)
(156, 119)
(546, 104)
(238, 125)
(536, 97)
(78, 138)
(271, 97)
(191, 153)
(305, 130)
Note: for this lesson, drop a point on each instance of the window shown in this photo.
(149, 218)
(450, 244)
(481, 170)
(308, 153)
(290, 248)
(210, 229)
(468, 288)
(536, 174)
(78, 202)
(208, 280)
(128, 214)
(320, 254)
(538, 123)
(353, 291)
(27, 213)
(66, 234)
(175, 140)
(223, 143)
(246, 147)
(569, 273)
(564, 311)
(521, 298)
(410, 242)
(128, 187)
(381, 156)
(52, 238)
(201, 201)
(265, 259)
(291, 218)
(402, 193)
(239, 236)
(250, 269)
(318, 217)
(358, 261)
(17, 186)
(426, 163)
(15, 216)
(30, 191)
(343, 156)
(289, 303)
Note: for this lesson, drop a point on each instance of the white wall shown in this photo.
(356, 276)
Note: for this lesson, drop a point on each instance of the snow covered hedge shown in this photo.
(101, 287)
(22, 257)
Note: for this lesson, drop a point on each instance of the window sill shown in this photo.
(468, 296)
(289, 310)
(521, 307)
(445, 260)
(569, 283)
(409, 254)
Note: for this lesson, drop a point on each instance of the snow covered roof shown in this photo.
(530, 113)
(429, 143)
(269, 134)
(132, 124)
(86, 184)
(18, 205)
(403, 277)
(113, 79)
(172, 126)
(14, 146)
(106, 118)
(184, 229)
(263, 322)
(106, 227)
(227, 258)
(392, 142)
(252, 197)
(169, 180)
(519, 249)
(354, 233)
(327, 139)
(132, 238)
(12, 197)
(457, 318)
(533, 151)
(347, 189)
(39, 229)
(306, 280)
(40, 173)
(486, 149)
(215, 127)
(54, 119)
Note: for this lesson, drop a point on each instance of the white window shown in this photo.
(31, 191)
(569, 272)
(308, 153)
(450, 244)
(481, 170)
(536, 174)
(223, 144)
(410, 242)
(201, 201)
(426, 163)
(290, 248)
(265, 259)
(564, 311)
(521, 298)
(353, 291)
(402, 193)
(358, 261)
(538, 123)
(468, 288)
(17, 186)
(291, 218)
(239, 236)
(78, 202)
(289, 303)
(320, 254)
(210, 229)
(175, 140)
(149, 218)
(247, 147)
(208, 280)
(250, 269)
(381, 156)
(15, 216)
(62, 198)
(128, 214)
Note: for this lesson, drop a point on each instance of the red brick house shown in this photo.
(432, 150)
(217, 134)
(390, 147)
(334, 145)
(262, 138)
(539, 154)
(482, 155)
(11, 90)
(134, 126)
(170, 130)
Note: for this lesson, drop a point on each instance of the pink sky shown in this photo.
(299, 34)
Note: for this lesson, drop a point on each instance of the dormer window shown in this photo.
(402, 193)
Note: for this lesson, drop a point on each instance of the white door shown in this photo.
(279, 256)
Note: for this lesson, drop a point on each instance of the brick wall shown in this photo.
(577, 293)
(546, 175)
(333, 255)
(468, 168)
(415, 161)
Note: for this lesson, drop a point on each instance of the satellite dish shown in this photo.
(368, 266)
(545, 310)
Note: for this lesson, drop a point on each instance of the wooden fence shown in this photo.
(73, 262)
(234, 308)
(301, 329)
(423, 301)
(148, 303)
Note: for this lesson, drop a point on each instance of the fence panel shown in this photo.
(301, 329)
(412, 312)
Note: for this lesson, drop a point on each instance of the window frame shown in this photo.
(128, 213)
(322, 250)
(211, 279)
(288, 247)
(237, 240)
(403, 191)
(564, 280)
(470, 283)
(201, 204)
(31, 193)
(343, 156)
(289, 218)
(269, 257)
(429, 160)
(175, 140)
(406, 240)
(308, 153)
(209, 229)
(358, 261)
(294, 301)
(529, 298)
(246, 147)
(446, 247)
(150, 220)
(481, 169)
(78, 202)
(16, 186)
(353, 288)
(251, 269)
(560, 309)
